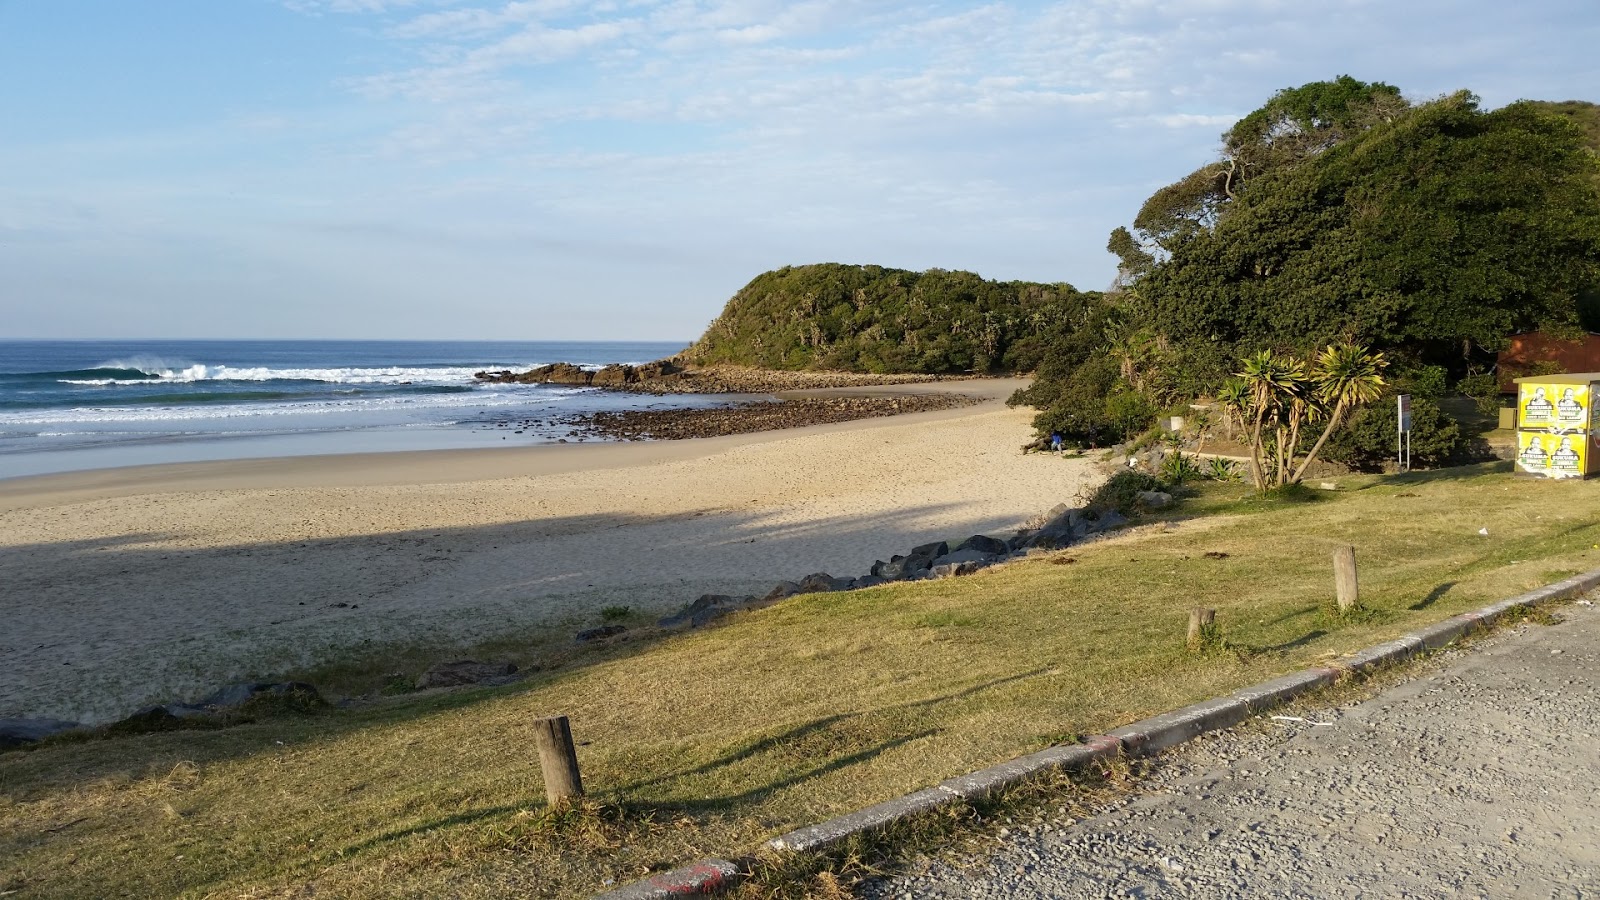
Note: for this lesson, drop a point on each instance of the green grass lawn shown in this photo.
(709, 742)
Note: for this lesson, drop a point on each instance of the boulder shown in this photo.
(465, 671)
(820, 583)
(596, 634)
(781, 590)
(1108, 520)
(236, 695)
(928, 552)
(867, 581)
(1155, 499)
(983, 543)
(21, 732)
(1044, 518)
(1060, 531)
(955, 570)
(705, 609)
(158, 718)
(964, 556)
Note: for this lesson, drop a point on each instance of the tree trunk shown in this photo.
(1333, 425)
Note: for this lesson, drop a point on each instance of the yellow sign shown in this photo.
(1552, 455)
(1555, 407)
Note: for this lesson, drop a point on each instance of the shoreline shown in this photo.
(131, 586)
(458, 465)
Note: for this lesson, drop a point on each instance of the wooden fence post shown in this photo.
(559, 759)
(1201, 623)
(1344, 579)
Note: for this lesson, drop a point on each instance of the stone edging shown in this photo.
(1152, 735)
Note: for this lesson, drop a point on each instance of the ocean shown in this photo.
(76, 405)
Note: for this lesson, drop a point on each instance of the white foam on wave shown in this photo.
(344, 375)
(110, 414)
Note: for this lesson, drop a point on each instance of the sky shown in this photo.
(558, 170)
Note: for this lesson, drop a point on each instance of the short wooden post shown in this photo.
(1201, 623)
(559, 759)
(1344, 579)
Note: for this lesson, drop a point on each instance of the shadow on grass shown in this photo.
(799, 733)
(463, 818)
(1286, 646)
(1432, 476)
(1433, 596)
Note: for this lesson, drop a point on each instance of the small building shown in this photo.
(1556, 437)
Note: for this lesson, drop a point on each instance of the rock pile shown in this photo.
(468, 671)
(220, 708)
(1054, 530)
(668, 377)
(677, 424)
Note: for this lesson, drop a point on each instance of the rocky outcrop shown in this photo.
(669, 376)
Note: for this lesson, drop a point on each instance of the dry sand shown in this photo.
(146, 585)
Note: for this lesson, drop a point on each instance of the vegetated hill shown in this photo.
(1340, 212)
(874, 319)
(1581, 113)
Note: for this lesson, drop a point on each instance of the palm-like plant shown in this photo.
(1279, 394)
(1347, 377)
(1234, 399)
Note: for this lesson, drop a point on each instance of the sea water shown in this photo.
(73, 405)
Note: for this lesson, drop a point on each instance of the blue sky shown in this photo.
(546, 169)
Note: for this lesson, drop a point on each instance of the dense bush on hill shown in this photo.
(873, 319)
(1339, 213)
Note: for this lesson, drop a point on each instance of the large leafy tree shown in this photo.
(1431, 231)
(1339, 214)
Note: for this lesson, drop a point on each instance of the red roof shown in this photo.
(1581, 355)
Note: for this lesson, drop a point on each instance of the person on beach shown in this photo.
(1055, 441)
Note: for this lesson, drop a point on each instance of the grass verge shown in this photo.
(706, 743)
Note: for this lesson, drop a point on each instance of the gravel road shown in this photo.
(1480, 777)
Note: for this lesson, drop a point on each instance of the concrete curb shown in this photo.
(1147, 736)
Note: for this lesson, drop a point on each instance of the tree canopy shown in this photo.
(1338, 213)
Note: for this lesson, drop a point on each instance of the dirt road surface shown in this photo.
(1480, 777)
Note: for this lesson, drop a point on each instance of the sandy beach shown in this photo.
(142, 585)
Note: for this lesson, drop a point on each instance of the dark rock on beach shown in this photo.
(22, 732)
(984, 544)
(601, 633)
(822, 583)
(466, 671)
(781, 590)
(237, 695)
(707, 608)
(165, 717)
(960, 557)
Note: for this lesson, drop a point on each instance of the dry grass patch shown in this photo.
(708, 742)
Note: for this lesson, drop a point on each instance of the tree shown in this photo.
(1347, 378)
(1277, 395)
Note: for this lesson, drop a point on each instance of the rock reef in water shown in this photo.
(669, 377)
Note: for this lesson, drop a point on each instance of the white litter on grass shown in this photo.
(1298, 719)
(1585, 602)
(1483, 531)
